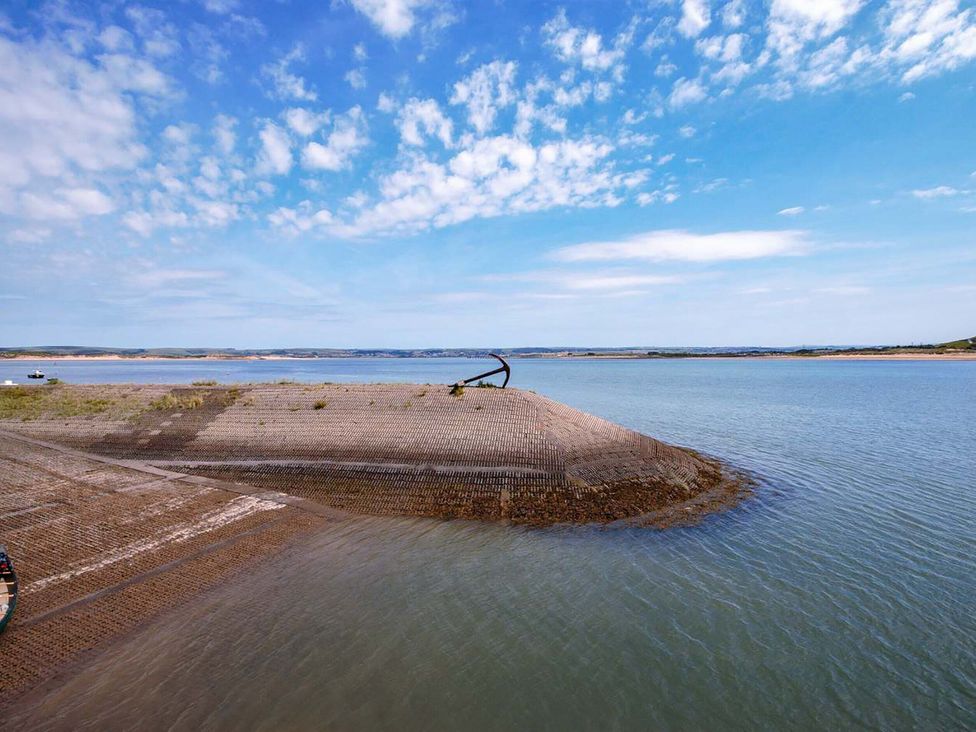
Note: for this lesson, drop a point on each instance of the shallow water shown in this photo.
(841, 596)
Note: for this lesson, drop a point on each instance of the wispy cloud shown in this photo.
(936, 192)
(687, 246)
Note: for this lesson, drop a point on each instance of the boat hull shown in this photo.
(8, 591)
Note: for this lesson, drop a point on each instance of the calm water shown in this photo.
(842, 596)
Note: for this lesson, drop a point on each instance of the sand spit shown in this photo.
(403, 449)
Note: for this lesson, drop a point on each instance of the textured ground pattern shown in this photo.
(396, 449)
(120, 502)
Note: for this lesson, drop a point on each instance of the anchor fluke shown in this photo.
(504, 367)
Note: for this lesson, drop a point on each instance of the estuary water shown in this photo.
(842, 596)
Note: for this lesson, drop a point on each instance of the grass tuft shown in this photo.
(177, 401)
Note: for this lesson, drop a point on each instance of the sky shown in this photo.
(438, 173)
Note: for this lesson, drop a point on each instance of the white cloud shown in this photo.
(588, 281)
(795, 22)
(928, 37)
(488, 177)
(397, 18)
(275, 156)
(160, 277)
(348, 137)
(665, 68)
(66, 204)
(937, 192)
(304, 121)
(160, 39)
(734, 13)
(61, 114)
(685, 92)
(686, 246)
(665, 195)
(221, 6)
(284, 84)
(223, 131)
(686, 131)
(792, 211)
(574, 44)
(304, 218)
(385, 103)
(356, 78)
(695, 17)
(359, 52)
(486, 90)
(420, 117)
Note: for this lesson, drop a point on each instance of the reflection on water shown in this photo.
(841, 596)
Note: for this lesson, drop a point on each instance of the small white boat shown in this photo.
(36, 374)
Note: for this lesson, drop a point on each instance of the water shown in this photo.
(841, 596)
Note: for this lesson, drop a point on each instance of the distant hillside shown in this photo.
(966, 344)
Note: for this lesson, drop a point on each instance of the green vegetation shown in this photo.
(320, 404)
(177, 402)
(457, 390)
(206, 382)
(54, 381)
(965, 344)
(27, 403)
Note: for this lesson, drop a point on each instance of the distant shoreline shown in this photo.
(775, 356)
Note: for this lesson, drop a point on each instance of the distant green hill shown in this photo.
(965, 344)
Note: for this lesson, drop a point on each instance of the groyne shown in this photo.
(118, 503)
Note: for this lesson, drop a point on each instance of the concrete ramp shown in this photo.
(403, 449)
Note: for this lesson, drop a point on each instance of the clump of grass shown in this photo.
(29, 403)
(372, 402)
(320, 404)
(485, 385)
(407, 404)
(422, 393)
(18, 401)
(284, 382)
(457, 390)
(205, 382)
(169, 402)
(54, 381)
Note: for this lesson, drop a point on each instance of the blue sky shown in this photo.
(422, 173)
